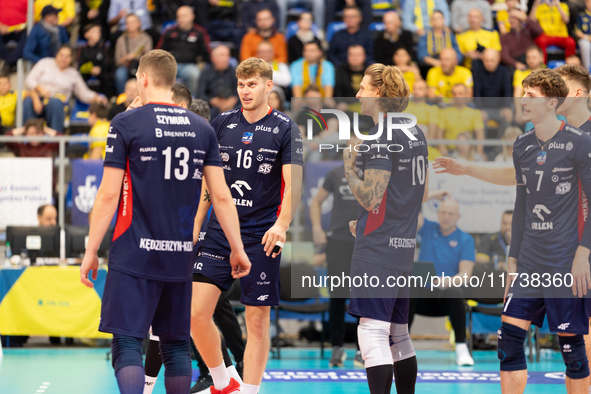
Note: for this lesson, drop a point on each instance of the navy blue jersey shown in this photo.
(387, 236)
(252, 156)
(163, 149)
(551, 179)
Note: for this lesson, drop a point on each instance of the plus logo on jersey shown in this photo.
(247, 138)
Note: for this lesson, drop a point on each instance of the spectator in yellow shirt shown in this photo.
(427, 115)
(67, 10)
(475, 40)
(534, 58)
(553, 16)
(461, 118)
(7, 103)
(442, 79)
(97, 118)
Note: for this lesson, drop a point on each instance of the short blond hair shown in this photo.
(254, 67)
(160, 65)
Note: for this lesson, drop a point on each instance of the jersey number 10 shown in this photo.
(419, 170)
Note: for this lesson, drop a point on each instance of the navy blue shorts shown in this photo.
(533, 301)
(131, 304)
(259, 288)
(388, 303)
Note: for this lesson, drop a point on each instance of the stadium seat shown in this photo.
(310, 304)
(332, 28)
(555, 63)
(166, 25)
(376, 26)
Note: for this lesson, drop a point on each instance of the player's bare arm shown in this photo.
(222, 202)
(370, 190)
(105, 205)
(204, 204)
(292, 177)
(318, 233)
(503, 176)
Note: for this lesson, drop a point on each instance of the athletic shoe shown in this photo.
(202, 384)
(338, 357)
(358, 360)
(233, 387)
(463, 357)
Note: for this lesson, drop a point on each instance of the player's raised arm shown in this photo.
(277, 234)
(105, 205)
(503, 176)
(222, 202)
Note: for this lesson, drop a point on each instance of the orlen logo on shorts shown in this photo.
(406, 125)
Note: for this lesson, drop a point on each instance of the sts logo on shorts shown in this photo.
(247, 137)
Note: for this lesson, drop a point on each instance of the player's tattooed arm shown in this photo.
(205, 203)
(370, 190)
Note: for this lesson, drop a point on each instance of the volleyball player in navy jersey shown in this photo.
(390, 188)
(261, 152)
(549, 162)
(576, 111)
(155, 158)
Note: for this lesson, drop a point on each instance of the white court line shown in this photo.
(43, 387)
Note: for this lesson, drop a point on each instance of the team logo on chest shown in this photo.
(541, 159)
(247, 137)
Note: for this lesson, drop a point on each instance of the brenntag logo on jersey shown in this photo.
(389, 123)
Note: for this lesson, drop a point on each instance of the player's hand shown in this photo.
(90, 263)
(137, 102)
(240, 264)
(353, 227)
(447, 165)
(511, 269)
(580, 272)
(277, 233)
(318, 235)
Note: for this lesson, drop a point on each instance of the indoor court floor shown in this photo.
(300, 370)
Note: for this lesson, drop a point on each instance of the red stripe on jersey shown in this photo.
(157, 103)
(282, 191)
(375, 219)
(583, 210)
(125, 212)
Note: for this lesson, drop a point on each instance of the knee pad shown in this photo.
(374, 342)
(176, 357)
(400, 342)
(511, 349)
(574, 356)
(127, 351)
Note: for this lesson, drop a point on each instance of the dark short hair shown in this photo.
(41, 209)
(100, 110)
(181, 94)
(508, 212)
(201, 108)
